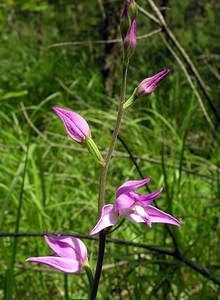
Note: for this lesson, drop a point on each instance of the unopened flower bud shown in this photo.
(133, 9)
(125, 20)
(79, 131)
(76, 126)
(130, 40)
(148, 85)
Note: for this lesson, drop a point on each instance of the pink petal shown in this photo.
(146, 199)
(62, 264)
(130, 40)
(131, 185)
(75, 118)
(158, 216)
(148, 85)
(124, 203)
(73, 131)
(76, 126)
(67, 247)
(108, 218)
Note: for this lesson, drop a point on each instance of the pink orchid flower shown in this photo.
(76, 127)
(148, 85)
(134, 207)
(130, 40)
(71, 254)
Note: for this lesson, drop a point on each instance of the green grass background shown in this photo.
(50, 183)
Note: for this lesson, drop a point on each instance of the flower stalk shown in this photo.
(93, 149)
(104, 171)
(102, 182)
(131, 99)
(89, 274)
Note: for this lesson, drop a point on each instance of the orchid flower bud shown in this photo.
(130, 40)
(78, 130)
(133, 9)
(76, 126)
(125, 20)
(148, 85)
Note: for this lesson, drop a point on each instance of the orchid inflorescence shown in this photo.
(70, 253)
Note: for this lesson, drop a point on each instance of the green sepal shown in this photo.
(131, 99)
(93, 149)
(133, 9)
(89, 273)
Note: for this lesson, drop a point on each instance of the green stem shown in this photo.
(104, 171)
(89, 274)
(66, 287)
(102, 182)
(10, 271)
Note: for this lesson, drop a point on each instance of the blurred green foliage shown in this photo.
(167, 131)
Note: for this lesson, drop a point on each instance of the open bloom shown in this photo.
(148, 85)
(70, 254)
(134, 207)
(130, 40)
(76, 127)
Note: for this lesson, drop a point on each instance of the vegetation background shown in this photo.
(48, 183)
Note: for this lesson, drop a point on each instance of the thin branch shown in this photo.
(176, 253)
(147, 14)
(186, 57)
(171, 234)
(50, 270)
(170, 35)
(23, 109)
(198, 268)
(212, 69)
(44, 136)
(103, 178)
(190, 83)
(102, 42)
